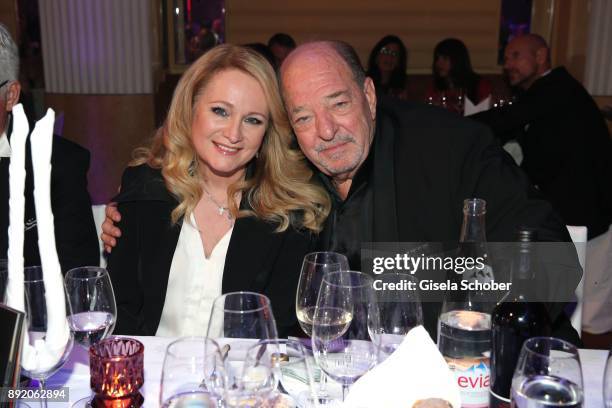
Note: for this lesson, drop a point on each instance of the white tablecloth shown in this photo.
(75, 373)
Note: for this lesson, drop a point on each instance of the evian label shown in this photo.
(473, 378)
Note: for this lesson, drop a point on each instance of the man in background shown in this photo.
(568, 156)
(75, 232)
(281, 45)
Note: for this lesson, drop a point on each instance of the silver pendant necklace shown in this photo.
(220, 209)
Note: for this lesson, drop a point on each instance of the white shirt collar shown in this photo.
(5, 147)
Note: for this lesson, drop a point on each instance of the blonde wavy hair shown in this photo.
(280, 189)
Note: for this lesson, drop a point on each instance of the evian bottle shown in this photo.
(464, 326)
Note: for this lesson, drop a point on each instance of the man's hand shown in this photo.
(109, 231)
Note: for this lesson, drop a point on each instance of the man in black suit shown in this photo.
(75, 232)
(565, 141)
(398, 172)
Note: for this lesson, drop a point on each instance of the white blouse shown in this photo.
(194, 282)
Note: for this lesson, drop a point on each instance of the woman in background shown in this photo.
(387, 67)
(220, 202)
(453, 76)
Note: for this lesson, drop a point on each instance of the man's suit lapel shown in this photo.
(247, 264)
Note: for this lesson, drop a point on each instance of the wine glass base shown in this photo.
(84, 402)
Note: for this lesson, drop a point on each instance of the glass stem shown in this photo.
(42, 387)
(345, 388)
(323, 384)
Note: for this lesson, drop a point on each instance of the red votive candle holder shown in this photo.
(116, 368)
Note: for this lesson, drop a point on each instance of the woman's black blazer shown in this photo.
(258, 259)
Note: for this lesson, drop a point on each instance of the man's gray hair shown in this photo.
(9, 56)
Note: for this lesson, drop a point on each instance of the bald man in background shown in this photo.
(567, 155)
(563, 134)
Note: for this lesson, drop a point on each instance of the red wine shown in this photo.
(514, 320)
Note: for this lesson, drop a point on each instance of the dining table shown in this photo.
(75, 374)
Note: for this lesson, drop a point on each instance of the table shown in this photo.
(75, 373)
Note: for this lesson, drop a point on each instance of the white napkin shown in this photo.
(415, 371)
(45, 353)
(470, 108)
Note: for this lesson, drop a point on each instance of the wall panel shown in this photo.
(420, 24)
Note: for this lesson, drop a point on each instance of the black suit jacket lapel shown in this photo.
(247, 263)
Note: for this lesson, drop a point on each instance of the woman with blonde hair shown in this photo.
(219, 202)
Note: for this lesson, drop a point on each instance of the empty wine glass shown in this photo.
(345, 314)
(94, 311)
(49, 335)
(547, 373)
(314, 267)
(182, 382)
(237, 321)
(289, 366)
(399, 310)
(607, 382)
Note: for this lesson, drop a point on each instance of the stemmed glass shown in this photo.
(345, 314)
(94, 311)
(607, 382)
(184, 369)
(399, 310)
(314, 267)
(548, 373)
(291, 372)
(237, 321)
(51, 355)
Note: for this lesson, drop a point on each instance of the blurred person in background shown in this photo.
(281, 44)
(75, 231)
(453, 76)
(387, 67)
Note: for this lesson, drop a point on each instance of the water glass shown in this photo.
(237, 321)
(547, 374)
(184, 373)
(94, 310)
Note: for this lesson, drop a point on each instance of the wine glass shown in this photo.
(287, 367)
(399, 310)
(184, 370)
(49, 335)
(547, 373)
(607, 382)
(237, 321)
(94, 311)
(345, 314)
(314, 267)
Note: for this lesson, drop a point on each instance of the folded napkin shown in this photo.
(470, 108)
(415, 371)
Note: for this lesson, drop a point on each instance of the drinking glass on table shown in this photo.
(314, 267)
(400, 310)
(94, 311)
(292, 381)
(548, 374)
(49, 336)
(184, 372)
(346, 312)
(238, 320)
(607, 382)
